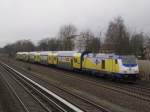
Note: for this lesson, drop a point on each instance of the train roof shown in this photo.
(101, 54)
(108, 56)
(45, 52)
(32, 52)
(66, 53)
(22, 52)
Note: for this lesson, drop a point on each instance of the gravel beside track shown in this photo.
(90, 87)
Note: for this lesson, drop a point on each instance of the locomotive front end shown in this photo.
(128, 67)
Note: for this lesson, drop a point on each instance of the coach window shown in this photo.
(103, 64)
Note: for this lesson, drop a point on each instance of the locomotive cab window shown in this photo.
(103, 64)
(129, 60)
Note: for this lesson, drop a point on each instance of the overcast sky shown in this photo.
(37, 19)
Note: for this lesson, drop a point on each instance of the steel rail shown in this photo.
(116, 88)
(101, 84)
(45, 92)
(15, 94)
(75, 95)
(30, 93)
(88, 101)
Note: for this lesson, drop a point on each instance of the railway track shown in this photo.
(131, 90)
(90, 105)
(139, 92)
(32, 96)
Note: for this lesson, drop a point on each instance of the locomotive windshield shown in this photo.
(129, 60)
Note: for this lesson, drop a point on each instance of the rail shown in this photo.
(59, 102)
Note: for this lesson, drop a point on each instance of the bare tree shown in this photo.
(84, 40)
(66, 33)
(43, 44)
(88, 41)
(147, 41)
(137, 43)
(146, 51)
(117, 37)
(19, 46)
(52, 44)
(9, 49)
(95, 44)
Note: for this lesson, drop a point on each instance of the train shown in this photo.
(117, 67)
